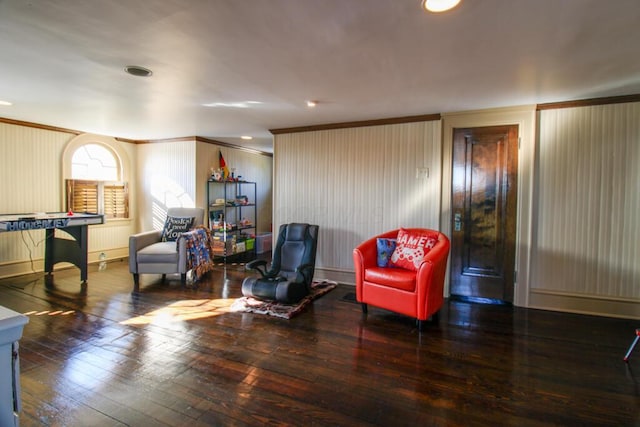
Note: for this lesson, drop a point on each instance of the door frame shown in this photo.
(525, 118)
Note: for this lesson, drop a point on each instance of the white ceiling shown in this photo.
(61, 61)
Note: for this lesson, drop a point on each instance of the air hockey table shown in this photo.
(57, 249)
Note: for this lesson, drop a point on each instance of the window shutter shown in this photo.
(82, 196)
(116, 200)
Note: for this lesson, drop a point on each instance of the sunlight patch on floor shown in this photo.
(182, 311)
(50, 313)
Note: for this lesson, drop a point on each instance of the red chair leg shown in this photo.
(365, 309)
(633, 345)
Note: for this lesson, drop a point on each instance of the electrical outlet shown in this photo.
(422, 173)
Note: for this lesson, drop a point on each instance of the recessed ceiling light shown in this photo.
(242, 104)
(247, 137)
(439, 5)
(6, 103)
(138, 71)
(311, 104)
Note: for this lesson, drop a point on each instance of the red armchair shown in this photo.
(418, 294)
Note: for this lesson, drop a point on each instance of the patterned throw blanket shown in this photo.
(198, 251)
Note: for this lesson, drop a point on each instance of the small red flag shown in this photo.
(223, 167)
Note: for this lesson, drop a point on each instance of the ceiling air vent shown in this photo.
(136, 70)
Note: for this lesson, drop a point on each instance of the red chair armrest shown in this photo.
(365, 256)
(431, 277)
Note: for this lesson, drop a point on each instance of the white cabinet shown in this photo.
(11, 326)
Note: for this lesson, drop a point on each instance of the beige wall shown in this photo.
(578, 198)
(253, 167)
(165, 178)
(160, 175)
(32, 181)
(355, 183)
(586, 237)
(578, 226)
(175, 173)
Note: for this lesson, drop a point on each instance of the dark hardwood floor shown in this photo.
(173, 356)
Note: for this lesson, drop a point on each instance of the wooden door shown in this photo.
(485, 171)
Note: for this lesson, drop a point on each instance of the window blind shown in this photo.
(116, 200)
(82, 196)
(108, 198)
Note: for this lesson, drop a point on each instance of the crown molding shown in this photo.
(39, 126)
(363, 123)
(589, 102)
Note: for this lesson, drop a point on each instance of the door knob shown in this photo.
(457, 221)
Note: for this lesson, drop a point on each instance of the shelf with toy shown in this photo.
(232, 216)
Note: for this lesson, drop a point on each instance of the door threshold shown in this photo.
(479, 300)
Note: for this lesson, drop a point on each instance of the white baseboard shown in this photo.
(19, 268)
(340, 276)
(585, 304)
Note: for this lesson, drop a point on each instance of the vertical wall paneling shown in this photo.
(251, 167)
(166, 178)
(578, 227)
(588, 227)
(32, 177)
(31, 182)
(357, 182)
(174, 173)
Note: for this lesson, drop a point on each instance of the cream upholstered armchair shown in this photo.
(160, 251)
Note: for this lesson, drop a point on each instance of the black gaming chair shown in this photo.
(292, 266)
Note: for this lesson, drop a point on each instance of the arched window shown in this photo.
(94, 161)
(95, 184)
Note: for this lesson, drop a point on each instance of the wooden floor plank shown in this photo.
(104, 356)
